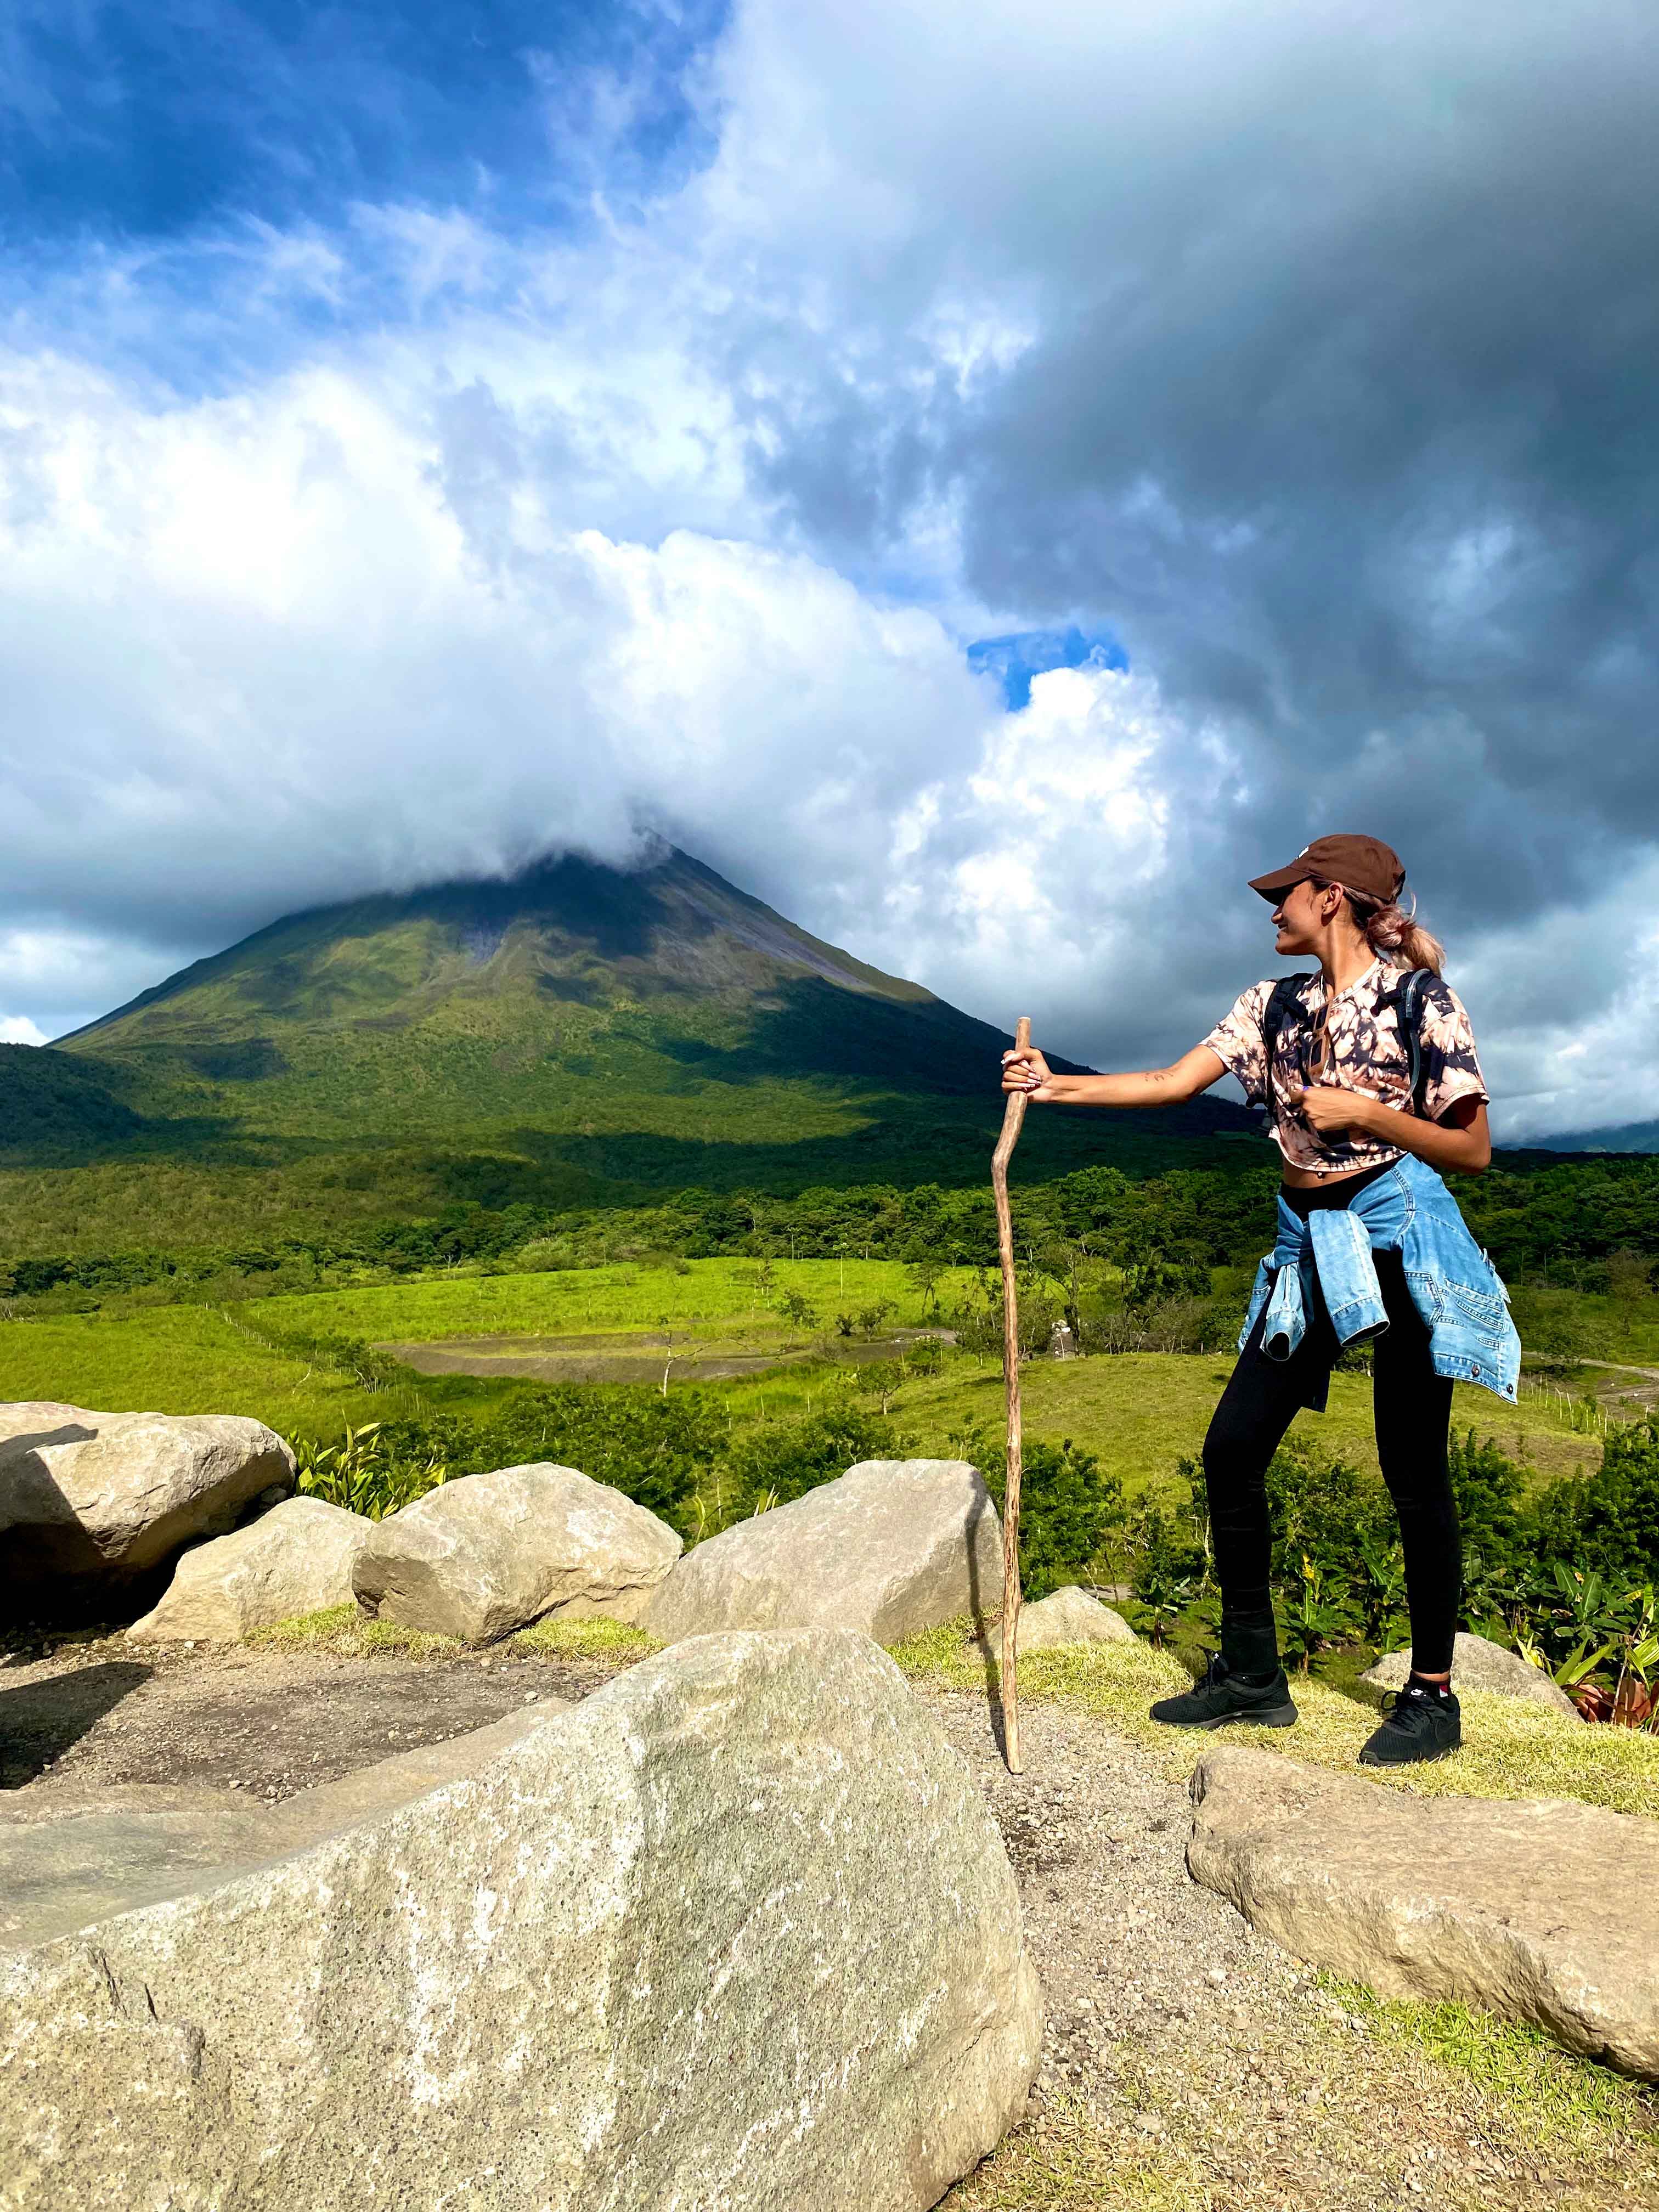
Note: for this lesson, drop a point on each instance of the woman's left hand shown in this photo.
(1328, 1108)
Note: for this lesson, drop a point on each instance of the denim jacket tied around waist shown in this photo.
(1453, 1284)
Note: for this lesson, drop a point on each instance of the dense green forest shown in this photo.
(1577, 1227)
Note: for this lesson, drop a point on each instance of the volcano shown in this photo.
(579, 1035)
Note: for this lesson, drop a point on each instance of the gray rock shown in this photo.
(91, 1855)
(93, 1501)
(1479, 1664)
(738, 1931)
(1542, 1912)
(1070, 1615)
(893, 1547)
(489, 1554)
(296, 1559)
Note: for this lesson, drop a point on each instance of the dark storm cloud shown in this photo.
(1338, 404)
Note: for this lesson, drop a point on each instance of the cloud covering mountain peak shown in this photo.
(635, 440)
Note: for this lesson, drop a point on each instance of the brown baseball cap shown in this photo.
(1358, 864)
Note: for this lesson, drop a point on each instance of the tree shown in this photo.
(925, 1272)
(1630, 1280)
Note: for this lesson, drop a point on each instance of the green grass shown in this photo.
(1560, 2095)
(342, 1631)
(716, 1298)
(1069, 2159)
(1138, 1411)
(1512, 1749)
(614, 1640)
(177, 1359)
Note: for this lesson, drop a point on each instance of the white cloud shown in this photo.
(18, 1029)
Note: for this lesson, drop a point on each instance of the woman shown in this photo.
(1371, 1245)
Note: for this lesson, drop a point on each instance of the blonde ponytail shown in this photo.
(1393, 931)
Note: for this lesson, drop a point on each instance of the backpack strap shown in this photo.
(1407, 999)
(1286, 994)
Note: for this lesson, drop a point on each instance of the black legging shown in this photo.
(1411, 1408)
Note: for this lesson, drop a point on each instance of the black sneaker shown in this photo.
(1419, 1724)
(1221, 1697)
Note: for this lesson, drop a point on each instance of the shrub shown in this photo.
(1170, 1567)
(1489, 1490)
(1610, 1523)
(782, 1461)
(654, 1449)
(1322, 1508)
(1069, 1505)
(374, 1470)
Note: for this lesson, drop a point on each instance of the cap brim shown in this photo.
(1281, 879)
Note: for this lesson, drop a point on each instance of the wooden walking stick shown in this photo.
(1014, 1116)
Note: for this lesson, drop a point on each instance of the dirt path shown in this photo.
(1189, 2063)
(1644, 1395)
(1192, 2062)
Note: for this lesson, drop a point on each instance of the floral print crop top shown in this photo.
(1367, 1053)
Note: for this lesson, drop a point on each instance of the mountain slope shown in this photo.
(1628, 1137)
(578, 1035)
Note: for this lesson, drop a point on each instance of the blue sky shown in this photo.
(152, 122)
(985, 480)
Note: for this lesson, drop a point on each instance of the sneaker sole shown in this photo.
(1273, 1716)
(1424, 1758)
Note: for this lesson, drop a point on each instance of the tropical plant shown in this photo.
(1381, 1590)
(1313, 1616)
(364, 1473)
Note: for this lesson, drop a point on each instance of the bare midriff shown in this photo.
(1311, 1179)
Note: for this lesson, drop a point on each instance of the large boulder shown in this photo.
(68, 1856)
(489, 1554)
(893, 1547)
(92, 1503)
(1543, 1911)
(1070, 1615)
(736, 1930)
(1479, 1664)
(296, 1558)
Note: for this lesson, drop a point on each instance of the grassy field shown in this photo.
(207, 1360)
(722, 1298)
(197, 1359)
(1139, 1412)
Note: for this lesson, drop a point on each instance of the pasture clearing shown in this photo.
(1138, 1412)
(738, 1303)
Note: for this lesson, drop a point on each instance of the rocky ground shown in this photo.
(1189, 2062)
(102, 1711)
